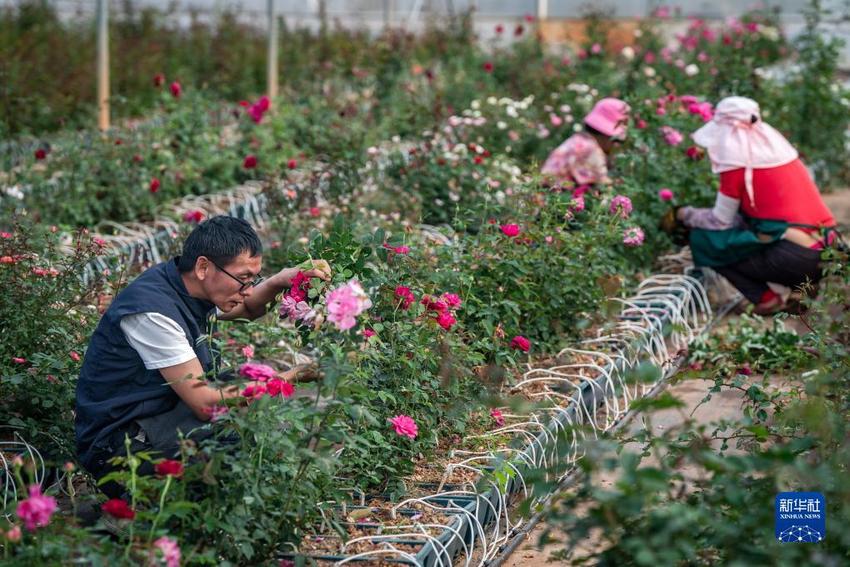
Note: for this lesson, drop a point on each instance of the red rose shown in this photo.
(154, 186)
(169, 467)
(194, 216)
(488, 66)
(292, 164)
(176, 89)
(119, 509)
(520, 343)
(278, 387)
(694, 153)
(40, 154)
(250, 162)
(478, 160)
(500, 28)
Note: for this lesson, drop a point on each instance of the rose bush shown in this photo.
(419, 327)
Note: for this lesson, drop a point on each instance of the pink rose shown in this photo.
(446, 320)
(345, 303)
(633, 237)
(621, 206)
(400, 250)
(14, 534)
(672, 136)
(36, 510)
(665, 194)
(217, 412)
(405, 426)
(255, 371)
(170, 551)
(510, 229)
(497, 417)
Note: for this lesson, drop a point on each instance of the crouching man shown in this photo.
(144, 371)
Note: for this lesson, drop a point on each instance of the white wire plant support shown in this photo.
(588, 391)
(141, 244)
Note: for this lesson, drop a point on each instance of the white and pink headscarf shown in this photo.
(737, 137)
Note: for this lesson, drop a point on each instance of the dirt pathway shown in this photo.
(726, 404)
(839, 203)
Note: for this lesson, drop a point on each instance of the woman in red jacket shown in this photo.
(769, 223)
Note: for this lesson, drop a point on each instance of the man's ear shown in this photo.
(202, 267)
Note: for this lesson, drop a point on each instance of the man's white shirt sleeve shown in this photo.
(159, 340)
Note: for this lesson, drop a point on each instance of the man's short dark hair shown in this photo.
(221, 239)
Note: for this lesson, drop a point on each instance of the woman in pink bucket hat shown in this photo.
(582, 158)
(769, 223)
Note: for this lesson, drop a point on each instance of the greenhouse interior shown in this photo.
(436, 283)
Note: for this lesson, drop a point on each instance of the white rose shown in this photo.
(691, 70)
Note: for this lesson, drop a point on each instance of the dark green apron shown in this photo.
(715, 248)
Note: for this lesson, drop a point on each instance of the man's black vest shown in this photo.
(115, 388)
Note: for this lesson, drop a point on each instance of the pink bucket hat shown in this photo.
(609, 116)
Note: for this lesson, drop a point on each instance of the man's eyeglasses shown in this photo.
(243, 285)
